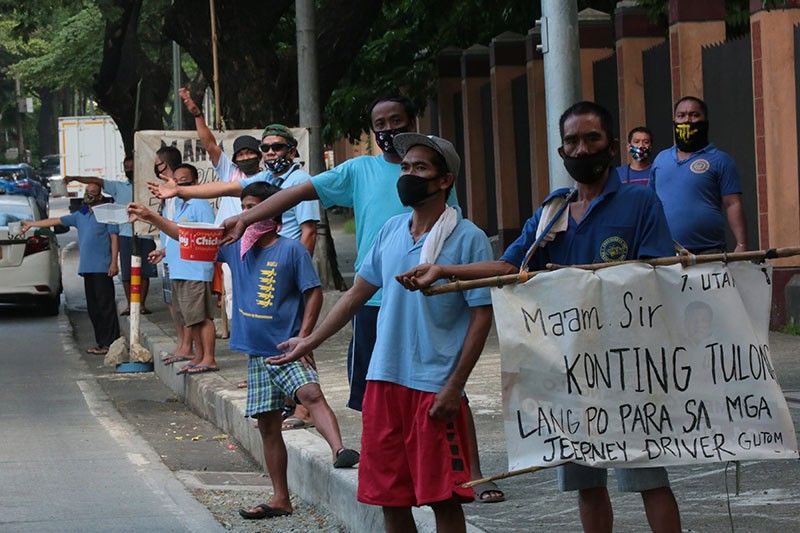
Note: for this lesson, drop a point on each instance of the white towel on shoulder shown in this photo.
(439, 233)
(548, 212)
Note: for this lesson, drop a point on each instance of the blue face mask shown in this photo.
(639, 153)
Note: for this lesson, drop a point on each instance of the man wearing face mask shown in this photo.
(122, 192)
(280, 149)
(98, 248)
(637, 172)
(598, 221)
(368, 185)
(699, 185)
(415, 438)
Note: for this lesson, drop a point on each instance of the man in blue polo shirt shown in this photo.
(122, 192)
(191, 280)
(599, 221)
(98, 247)
(699, 184)
(415, 420)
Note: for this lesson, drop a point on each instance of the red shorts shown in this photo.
(407, 457)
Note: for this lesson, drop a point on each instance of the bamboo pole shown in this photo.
(215, 60)
(504, 475)
(684, 259)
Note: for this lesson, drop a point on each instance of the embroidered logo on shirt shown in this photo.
(613, 249)
(699, 166)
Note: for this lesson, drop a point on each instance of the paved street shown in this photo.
(68, 462)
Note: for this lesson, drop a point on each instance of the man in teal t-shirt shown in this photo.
(368, 184)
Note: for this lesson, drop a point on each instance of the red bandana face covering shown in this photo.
(255, 232)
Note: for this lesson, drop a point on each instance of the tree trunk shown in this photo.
(124, 65)
(47, 125)
(258, 84)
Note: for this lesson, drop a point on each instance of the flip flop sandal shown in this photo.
(484, 493)
(242, 385)
(97, 350)
(126, 312)
(202, 369)
(346, 458)
(184, 369)
(295, 423)
(264, 511)
(145, 311)
(175, 359)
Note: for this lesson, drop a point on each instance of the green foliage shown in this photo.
(791, 329)
(67, 57)
(400, 54)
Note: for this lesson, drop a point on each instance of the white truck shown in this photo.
(89, 146)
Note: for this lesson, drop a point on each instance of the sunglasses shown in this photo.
(275, 147)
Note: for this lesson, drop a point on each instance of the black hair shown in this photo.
(702, 104)
(191, 168)
(261, 190)
(171, 156)
(589, 108)
(408, 106)
(640, 129)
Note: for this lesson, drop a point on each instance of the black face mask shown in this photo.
(385, 139)
(588, 169)
(413, 189)
(248, 166)
(691, 136)
(129, 174)
(279, 165)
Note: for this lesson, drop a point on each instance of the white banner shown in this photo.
(638, 366)
(146, 143)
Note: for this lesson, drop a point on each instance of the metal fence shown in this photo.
(658, 95)
(606, 91)
(728, 91)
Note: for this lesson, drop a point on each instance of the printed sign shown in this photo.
(638, 366)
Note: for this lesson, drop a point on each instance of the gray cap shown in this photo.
(403, 142)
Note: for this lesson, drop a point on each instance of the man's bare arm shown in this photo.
(203, 131)
(734, 212)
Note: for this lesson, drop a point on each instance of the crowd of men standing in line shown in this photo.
(411, 355)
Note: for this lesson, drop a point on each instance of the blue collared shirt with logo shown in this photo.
(691, 192)
(621, 223)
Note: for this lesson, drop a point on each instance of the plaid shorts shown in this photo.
(268, 385)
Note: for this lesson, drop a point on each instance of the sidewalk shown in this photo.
(769, 490)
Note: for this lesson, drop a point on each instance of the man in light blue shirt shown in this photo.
(98, 248)
(191, 280)
(368, 185)
(122, 192)
(279, 148)
(415, 436)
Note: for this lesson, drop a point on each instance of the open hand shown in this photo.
(234, 229)
(138, 212)
(420, 277)
(293, 349)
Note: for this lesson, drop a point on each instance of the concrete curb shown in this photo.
(310, 473)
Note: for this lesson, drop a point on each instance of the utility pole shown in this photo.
(177, 105)
(562, 76)
(20, 112)
(311, 118)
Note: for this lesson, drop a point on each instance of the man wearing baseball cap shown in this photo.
(415, 430)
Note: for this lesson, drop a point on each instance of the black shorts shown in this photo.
(126, 249)
(365, 324)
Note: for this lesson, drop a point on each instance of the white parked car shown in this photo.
(30, 272)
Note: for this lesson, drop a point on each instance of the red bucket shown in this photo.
(199, 241)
